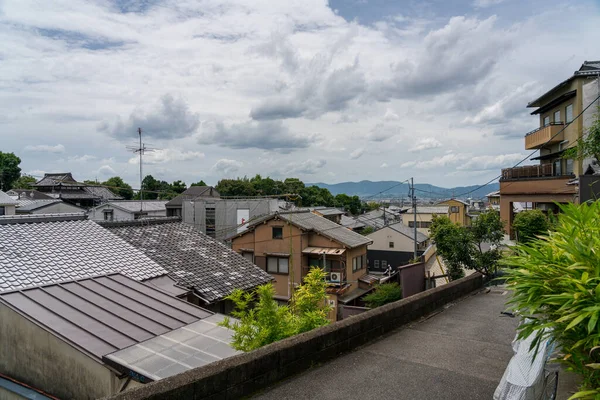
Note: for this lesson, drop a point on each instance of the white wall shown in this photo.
(58, 208)
(9, 209)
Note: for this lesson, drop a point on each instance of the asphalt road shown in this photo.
(459, 353)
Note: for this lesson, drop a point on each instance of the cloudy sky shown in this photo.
(333, 91)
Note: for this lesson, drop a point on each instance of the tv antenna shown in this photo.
(141, 149)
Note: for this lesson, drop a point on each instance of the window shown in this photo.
(277, 232)
(108, 215)
(454, 209)
(248, 256)
(359, 262)
(2, 210)
(383, 264)
(376, 264)
(569, 166)
(210, 221)
(391, 245)
(557, 116)
(569, 113)
(557, 168)
(330, 265)
(277, 265)
(411, 224)
(547, 121)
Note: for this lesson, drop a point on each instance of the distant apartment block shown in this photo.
(553, 179)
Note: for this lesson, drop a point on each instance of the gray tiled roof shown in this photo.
(6, 200)
(351, 223)
(101, 315)
(62, 178)
(429, 210)
(192, 258)
(102, 192)
(410, 232)
(28, 194)
(312, 222)
(36, 253)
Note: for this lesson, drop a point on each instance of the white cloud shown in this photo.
(106, 170)
(384, 165)
(162, 156)
(83, 158)
(426, 144)
(307, 167)
(44, 148)
(490, 162)
(443, 161)
(227, 167)
(390, 115)
(408, 164)
(356, 154)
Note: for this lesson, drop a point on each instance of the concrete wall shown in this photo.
(38, 358)
(97, 214)
(247, 373)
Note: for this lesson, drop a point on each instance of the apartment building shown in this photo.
(552, 180)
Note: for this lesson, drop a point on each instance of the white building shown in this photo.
(7, 204)
(128, 210)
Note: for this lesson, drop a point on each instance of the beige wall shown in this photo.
(574, 131)
(59, 208)
(460, 217)
(423, 217)
(36, 357)
(382, 238)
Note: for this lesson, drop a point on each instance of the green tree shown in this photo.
(9, 170)
(199, 183)
(293, 185)
(260, 320)
(236, 187)
(352, 204)
(589, 145)
(179, 187)
(118, 186)
(383, 294)
(556, 285)
(150, 186)
(529, 224)
(367, 230)
(371, 205)
(476, 247)
(24, 182)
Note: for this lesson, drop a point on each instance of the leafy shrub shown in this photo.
(260, 320)
(556, 283)
(530, 224)
(383, 294)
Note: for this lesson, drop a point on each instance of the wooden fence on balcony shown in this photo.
(528, 171)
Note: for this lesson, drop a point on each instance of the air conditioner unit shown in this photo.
(335, 277)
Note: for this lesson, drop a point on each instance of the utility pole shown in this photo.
(414, 204)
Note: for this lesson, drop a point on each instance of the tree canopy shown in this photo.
(9, 170)
(529, 224)
(383, 294)
(120, 187)
(260, 320)
(24, 182)
(471, 247)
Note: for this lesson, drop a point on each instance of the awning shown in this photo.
(549, 156)
(328, 251)
(355, 294)
(278, 254)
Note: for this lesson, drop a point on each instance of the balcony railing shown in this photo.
(545, 135)
(532, 171)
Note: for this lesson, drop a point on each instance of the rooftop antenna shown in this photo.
(141, 149)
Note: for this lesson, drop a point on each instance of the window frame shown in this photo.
(278, 265)
(273, 232)
(554, 116)
(568, 107)
(2, 210)
(359, 262)
(391, 245)
(546, 120)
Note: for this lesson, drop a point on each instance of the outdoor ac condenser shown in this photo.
(335, 277)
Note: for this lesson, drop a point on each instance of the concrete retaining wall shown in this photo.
(248, 373)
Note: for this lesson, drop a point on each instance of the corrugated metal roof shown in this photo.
(6, 200)
(188, 347)
(30, 205)
(103, 314)
(34, 253)
(195, 260)
(351, 223)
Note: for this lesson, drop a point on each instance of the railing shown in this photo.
(544, 135)
(532, 171)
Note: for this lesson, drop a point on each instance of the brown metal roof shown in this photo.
(103, 314)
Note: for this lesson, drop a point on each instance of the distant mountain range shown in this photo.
(379, 189)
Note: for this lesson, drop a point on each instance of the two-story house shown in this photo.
(458, 211)
(288, 244)
(545, 184)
